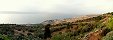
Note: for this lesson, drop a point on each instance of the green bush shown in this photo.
(110, 23)
(109, 36)
(61, 37)
(4, 37)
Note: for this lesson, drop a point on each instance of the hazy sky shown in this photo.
(39, 10)
(91, 6)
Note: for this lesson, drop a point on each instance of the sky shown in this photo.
(40, 10)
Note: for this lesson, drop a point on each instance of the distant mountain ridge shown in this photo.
(74, 19)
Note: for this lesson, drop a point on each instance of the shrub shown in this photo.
(109, 36)
(110, 23)
(61, 37)
(4, 37)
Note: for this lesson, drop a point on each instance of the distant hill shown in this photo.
(74, 19)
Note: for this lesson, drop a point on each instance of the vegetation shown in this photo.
(110, 23)
(109, 36)
(4, 37)
(61, 37)
(20, 32)
(97, 28)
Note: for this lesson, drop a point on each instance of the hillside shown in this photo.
(89, 27)
(74, 19)
(97, 27)
(20, 32)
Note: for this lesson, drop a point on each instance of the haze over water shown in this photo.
(37, 11)
(31, 18)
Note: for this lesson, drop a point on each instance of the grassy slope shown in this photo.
(90, 29)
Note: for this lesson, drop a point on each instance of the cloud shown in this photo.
(60, 6)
